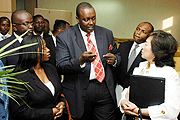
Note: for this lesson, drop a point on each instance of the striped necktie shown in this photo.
(98, 68)
(132, 56)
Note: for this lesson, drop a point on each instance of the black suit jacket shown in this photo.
(70, 46)
(40, 99)
(51, 46)
(122, 74)
(10, 60)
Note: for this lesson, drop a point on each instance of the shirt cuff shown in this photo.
(115, 63)
(123, 97)
(83, 65)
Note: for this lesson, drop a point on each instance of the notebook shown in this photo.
(146, 91)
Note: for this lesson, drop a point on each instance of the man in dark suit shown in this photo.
(79, 56)
(39, 26)
(126, 48)
(21, 22)
(128, 63)
(59, 26)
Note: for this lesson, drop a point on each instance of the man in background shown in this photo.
(131, 57)
(4, 28)
(39, 26)
(58, 27)
(21, 22)
(46, 27)
(129, 62)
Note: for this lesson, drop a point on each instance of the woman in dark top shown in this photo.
(44, 99)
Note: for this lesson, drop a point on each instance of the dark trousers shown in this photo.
(99, 104)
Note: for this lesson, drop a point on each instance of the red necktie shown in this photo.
(98, 68)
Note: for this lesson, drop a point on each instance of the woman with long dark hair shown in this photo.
(43, 101)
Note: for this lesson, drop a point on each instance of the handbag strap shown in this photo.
(67, 107)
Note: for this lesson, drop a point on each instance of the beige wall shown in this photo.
(30, 5)
(122, 16)
(5, 5)
(52, 15)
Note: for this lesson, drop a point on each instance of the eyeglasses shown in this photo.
(25, 24)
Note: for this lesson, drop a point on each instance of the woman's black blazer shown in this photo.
(40, 99)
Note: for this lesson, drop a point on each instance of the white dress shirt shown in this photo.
(93, 39)
(51, 87)
(54, 40)
(4, 36)
(20, 39)
(168, 110)
(40, 35)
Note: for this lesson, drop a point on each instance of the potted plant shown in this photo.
(6, 72)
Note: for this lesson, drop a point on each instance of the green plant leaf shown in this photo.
(19, 81)
(6, 71)
(23, 53)
(13, 41)
(9, 95)
(13, 74)
(9, 66)
(15, 49)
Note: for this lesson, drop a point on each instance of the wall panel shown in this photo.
(52, 15)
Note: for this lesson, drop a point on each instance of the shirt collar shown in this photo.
(20, 39)
(140, 45)
(3, 35)
(84, 33)
(40, 35)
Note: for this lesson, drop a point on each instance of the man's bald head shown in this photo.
(16, 15)
(82, 5)
(21, 22)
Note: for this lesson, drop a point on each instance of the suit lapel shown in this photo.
(49, 40)
(99, 41)
(39, 84)
(79, 39)
(54, 81)
(17, 43)
(124, 50)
